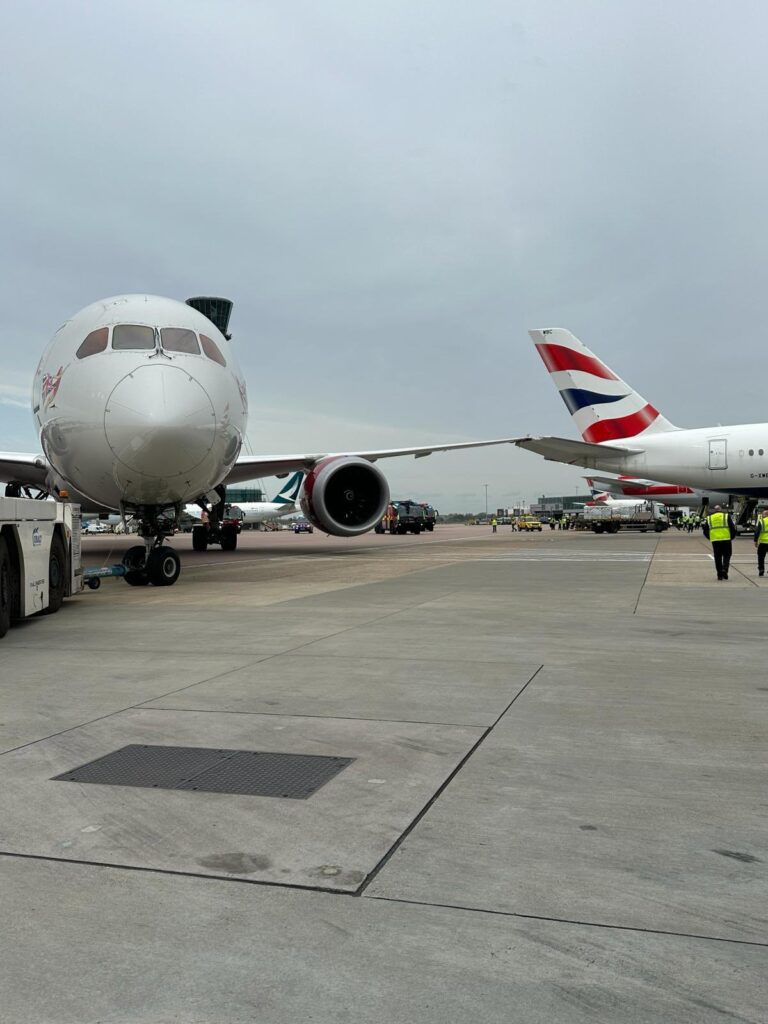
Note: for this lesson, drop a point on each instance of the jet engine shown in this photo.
(344, 495)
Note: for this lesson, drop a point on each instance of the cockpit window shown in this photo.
(132, 336)
(179, 339)
(95, 342)
(212, 350)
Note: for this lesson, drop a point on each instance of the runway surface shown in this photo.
(555, 809)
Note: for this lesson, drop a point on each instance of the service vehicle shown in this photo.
(642, 516)
(223, 529)
(529, 523)
(40, 559)
(405, 516)
(97, 526)
(430, 516)
(302, 527)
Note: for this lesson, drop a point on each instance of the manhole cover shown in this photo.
(211, 770)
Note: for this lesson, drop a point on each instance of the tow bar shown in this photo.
(93, 577)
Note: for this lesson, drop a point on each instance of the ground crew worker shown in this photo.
(761, 542)
(719, 530)
(494, 524)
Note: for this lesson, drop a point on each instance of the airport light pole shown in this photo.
(486, 500)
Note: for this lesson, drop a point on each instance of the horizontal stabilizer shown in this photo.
(575, 453)
(609, 481)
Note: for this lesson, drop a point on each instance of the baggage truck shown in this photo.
(614, 516)
(40, 561)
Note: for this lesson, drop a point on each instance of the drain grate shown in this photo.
(211, 770)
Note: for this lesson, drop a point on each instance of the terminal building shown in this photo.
(237, 494)
(561, 503)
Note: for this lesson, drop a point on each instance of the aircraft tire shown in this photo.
(136, 578)
(200, 538)
(57, 575)
(163, 567)
(6, 585)
(133, 560)
(228, 538)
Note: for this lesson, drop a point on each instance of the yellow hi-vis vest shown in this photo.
(763, 538)
(718, 526)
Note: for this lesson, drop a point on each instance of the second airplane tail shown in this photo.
(603, 406)
(290, 490)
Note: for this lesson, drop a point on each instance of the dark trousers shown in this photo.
(761, 550)
(722, 550)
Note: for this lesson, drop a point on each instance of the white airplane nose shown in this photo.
(159, 421)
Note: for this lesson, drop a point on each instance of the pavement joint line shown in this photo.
(338, 632)
(332, 718)
(645, 578)
(571, 920)
(395, 657)
(267, 657)
(601, 559)
(744, 576)
(261, 882)
(373, 873)
(271, 657)
(119, 711)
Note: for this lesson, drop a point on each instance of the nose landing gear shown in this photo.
(160, 566)
(153, 561)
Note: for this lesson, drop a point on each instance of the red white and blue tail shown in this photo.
(603, 406)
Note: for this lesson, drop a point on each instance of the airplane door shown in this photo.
(718, 454)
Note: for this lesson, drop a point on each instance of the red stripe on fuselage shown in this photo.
(623, 426)
(558, 357)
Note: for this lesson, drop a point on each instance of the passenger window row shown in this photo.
(135, 337)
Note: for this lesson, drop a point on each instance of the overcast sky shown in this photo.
(392, 194)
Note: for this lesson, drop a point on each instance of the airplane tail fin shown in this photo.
(601, 497)
(603, 406)
(290, 490)
(591, 485)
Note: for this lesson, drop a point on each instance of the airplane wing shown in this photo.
(18, 468)
(250, 467)
(575, 453)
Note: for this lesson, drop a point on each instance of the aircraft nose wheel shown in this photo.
(163, 567)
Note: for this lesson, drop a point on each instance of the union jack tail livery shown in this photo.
(603, 406)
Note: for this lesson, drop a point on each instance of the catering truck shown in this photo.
(626, 515)
(40, 561)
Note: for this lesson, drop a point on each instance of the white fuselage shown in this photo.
(632, 488)
(255, 511)
(733, 460)
(154, 416)
(263, 511)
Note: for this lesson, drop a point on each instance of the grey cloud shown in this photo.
(393, 194)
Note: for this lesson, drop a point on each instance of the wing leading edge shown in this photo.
(249, 467)
(24, 469)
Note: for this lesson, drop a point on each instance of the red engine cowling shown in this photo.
(344, 495)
